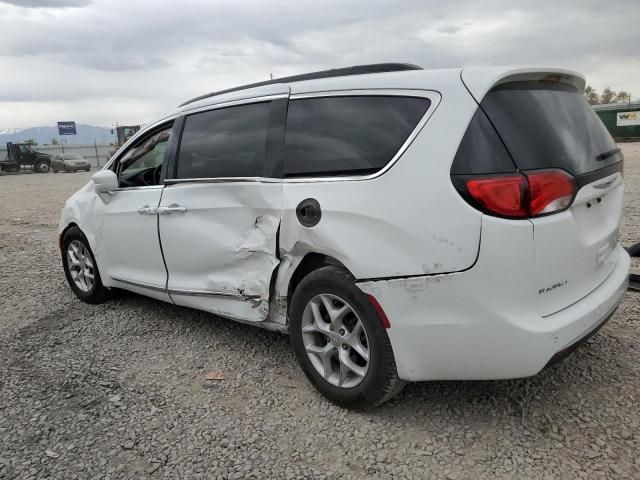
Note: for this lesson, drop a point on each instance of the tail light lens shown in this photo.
(550, 191)
(504, 195)
(520, 195)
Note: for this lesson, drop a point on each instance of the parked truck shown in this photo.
(123, 133)
(22, 156)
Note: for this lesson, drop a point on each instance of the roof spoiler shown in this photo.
(479, 80)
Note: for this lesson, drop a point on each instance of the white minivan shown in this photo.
(402, 224)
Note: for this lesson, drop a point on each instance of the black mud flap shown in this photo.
(634, 250)
(634, 282)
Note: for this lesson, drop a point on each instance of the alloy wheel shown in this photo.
(335, 340)
(80, 265)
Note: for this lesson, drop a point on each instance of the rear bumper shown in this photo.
(470, 326)
(565, 352)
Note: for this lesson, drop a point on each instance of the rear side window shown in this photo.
(345, 135)
(481, 150)
(228, 142)
(549, 125)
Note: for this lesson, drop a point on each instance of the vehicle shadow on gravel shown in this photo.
(585, 376)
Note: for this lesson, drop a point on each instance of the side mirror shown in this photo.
(105, 181)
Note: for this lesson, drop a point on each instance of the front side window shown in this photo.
(142, 164)
(345, 135)
(227, 142)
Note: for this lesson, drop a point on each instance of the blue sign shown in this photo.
(66, 128)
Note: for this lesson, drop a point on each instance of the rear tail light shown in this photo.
(550, 191)
(519, 195)
(504, 195)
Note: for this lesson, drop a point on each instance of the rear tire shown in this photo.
(351, 365)
(81, 269)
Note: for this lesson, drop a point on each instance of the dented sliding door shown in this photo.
(219, 245)
(220, 212)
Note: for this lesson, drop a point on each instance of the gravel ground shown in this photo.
(118, 390)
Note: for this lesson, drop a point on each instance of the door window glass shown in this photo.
(142, 164)
(227, 142)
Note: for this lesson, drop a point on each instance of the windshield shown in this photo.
(72, 156)
(550, 125)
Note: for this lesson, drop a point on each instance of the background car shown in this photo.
(69, 162)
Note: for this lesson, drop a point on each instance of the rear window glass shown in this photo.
(228, 142)
(549, 125)
(347, 135)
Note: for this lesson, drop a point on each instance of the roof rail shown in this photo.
(334, 72)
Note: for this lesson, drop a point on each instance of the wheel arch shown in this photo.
(310, 262)
(64, 231)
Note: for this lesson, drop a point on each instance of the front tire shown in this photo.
(41, 167)
(81, 269)
(339, 341)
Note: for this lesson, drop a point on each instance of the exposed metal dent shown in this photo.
(256, 300)
(247, 273)
(290, 260)
(266, 324)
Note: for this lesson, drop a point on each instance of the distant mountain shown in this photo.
(86, 134)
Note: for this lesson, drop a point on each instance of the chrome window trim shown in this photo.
(145, 187)
(235, 103)
(432, 95)
(177, 181)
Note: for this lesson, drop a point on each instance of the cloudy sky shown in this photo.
(107, 61)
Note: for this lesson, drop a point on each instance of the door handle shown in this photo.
(147, 210)
(173, 208)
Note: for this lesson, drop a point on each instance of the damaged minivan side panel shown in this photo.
(369, 224)
(221, 256)
(219, 216)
